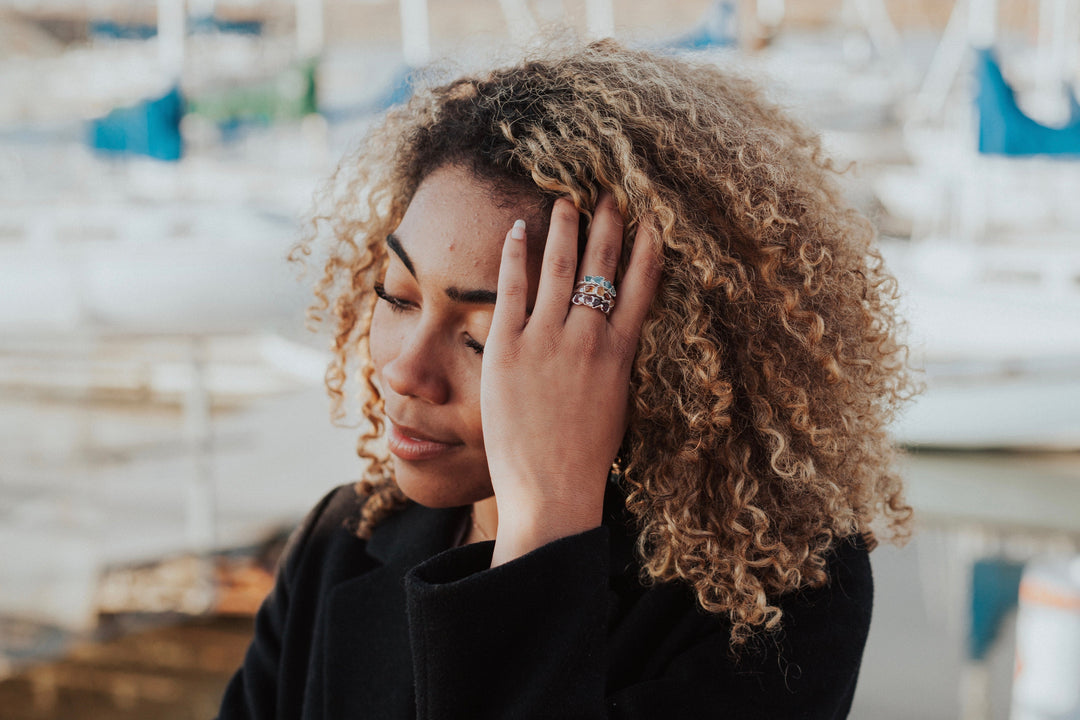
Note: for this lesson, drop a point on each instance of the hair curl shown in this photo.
(770, 363)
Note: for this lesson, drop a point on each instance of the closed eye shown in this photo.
(474, 346)
(396, 303)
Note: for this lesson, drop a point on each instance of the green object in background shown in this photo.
(289, 96)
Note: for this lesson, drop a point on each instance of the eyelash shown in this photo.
(398, 305)
(474, 346)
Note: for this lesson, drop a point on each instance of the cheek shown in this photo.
(472, 408)
(463, 375)
(381, 339)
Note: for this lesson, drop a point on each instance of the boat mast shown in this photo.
(310, 35)
(415, 33)
(171, 33)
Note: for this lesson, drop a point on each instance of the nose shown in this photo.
(416, 370)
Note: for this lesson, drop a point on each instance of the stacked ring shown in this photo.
(595, 292)
(601, 281)
(593, 301)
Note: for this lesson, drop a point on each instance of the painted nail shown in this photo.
(518, 231)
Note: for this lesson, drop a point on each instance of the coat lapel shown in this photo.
(367, 661)
(365, 669)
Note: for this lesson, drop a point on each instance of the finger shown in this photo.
(605, 239)
(639, 285)
(604, 246)
(512, 294)
(559, 267)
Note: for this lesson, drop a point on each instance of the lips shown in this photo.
(414, 445)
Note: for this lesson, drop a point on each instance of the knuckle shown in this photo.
(563, 266)
(514, 250)
(607, 253)
(512, 289)
(508, 358)
(552, 347)
(589, 346)
(545, 344)
(653, 272)
(648, 262)
(624, 344)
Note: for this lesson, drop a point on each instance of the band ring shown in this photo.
(596, 292)
(597, 302)
(590, 289)
(601, 281)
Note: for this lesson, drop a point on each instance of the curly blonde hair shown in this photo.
(771, 361)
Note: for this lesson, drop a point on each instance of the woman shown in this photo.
(634, 359)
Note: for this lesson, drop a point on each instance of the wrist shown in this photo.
(521, 533)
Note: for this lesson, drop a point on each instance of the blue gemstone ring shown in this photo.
(601, 281)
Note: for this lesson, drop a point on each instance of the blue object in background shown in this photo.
(121, 31)
(995, 592)
(113, 30)
(151, 127)
(397, 92)
(1004, 129)
(210, 24)
(719, 28)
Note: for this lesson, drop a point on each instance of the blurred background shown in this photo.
(163, 419)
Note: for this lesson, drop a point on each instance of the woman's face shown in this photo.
(429, 328)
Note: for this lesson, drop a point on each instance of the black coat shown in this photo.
(406, 626)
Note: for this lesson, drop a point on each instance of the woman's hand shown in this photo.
(554, 385)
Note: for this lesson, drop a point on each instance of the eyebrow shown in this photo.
(486, 297)
(483, 297)
(394, 244)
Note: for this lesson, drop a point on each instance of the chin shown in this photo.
(441, 489)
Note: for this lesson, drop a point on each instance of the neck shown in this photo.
(485, 514)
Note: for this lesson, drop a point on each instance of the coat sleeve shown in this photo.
(253, 692)
(529, 639)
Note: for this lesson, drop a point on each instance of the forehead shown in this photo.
(455, 226)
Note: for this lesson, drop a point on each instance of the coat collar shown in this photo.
(411, 536)
(364, 630)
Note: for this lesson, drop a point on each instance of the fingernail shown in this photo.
(518, 231)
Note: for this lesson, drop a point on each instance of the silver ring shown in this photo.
(597, 302)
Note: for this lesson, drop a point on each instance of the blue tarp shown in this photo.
(1004, 129)
(209, 24)
(995, 589)
(719, 28)
(141, 31)
(151, 127)
(121, 31)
